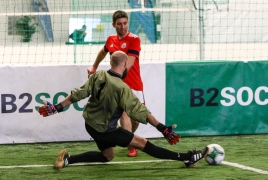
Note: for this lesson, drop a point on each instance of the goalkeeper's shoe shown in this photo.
(196, 157)
(62, 160)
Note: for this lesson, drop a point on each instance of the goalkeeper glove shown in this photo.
(49, 109)
(169, 135)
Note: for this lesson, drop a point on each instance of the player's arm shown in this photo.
(77, 94)
(151, 120)
(49, 109)
(133, 52)
(130, 62)
(101, 55)
(67, 101)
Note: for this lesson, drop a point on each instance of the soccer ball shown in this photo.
(215, 155)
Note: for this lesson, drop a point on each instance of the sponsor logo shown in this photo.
(228, 96)
(23, 103)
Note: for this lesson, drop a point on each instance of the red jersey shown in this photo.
(130, 44)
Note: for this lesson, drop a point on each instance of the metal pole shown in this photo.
(75, 53)
(201, 29)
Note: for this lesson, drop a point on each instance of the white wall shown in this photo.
(26, 127)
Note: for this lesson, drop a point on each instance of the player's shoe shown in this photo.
(132, 152)
(62, 159)
(196, 157)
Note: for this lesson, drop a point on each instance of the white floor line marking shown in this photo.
(84, 164)
(244, 167)
(130, 162)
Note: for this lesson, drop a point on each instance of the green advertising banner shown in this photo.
(217, 98)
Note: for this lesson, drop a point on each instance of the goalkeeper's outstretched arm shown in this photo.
(67, 101)
(49, 109)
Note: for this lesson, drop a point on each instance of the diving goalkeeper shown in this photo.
(109, 98)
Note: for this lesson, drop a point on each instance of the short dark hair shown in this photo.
(84, 26)
(119, 14)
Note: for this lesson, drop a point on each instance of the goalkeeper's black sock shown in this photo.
(162, 153)
(91, 156)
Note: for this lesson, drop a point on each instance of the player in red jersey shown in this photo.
(129, 43)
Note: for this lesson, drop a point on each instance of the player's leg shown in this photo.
(134, 125)
(105, 154)
(64, 159)
(93, 156)
(155, 151)
(191, 158)
(126, 123)
(130, 124)
(140, 96)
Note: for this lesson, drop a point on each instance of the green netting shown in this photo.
(170, 30)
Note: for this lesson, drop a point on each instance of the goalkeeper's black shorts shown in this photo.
(119, 137)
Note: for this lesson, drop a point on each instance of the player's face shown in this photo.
(121, 26)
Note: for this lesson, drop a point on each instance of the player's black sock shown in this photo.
(91, 156)
(162, 153)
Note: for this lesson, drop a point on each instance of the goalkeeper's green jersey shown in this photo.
(108, 96)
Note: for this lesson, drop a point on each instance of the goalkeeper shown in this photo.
(109, 98)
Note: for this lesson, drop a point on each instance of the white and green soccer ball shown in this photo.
(215, 155)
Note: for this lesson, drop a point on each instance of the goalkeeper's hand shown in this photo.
(169, 135)
(49, 109)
